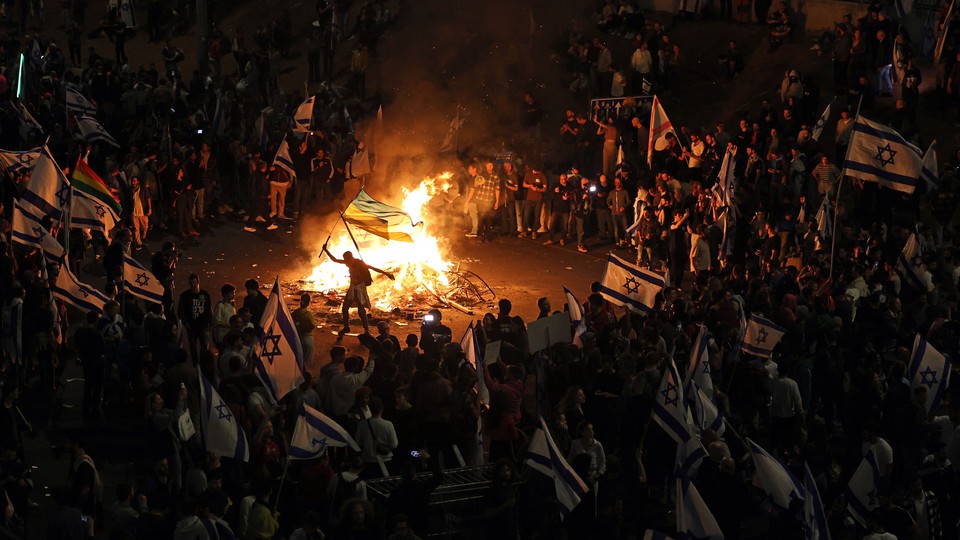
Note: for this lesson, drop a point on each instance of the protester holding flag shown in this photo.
(357, 293)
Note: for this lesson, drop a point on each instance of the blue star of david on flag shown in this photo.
(671, 390)
(928, 378)
(319, 444)
(820, 124)
(84, 292)
(889, 152)
(270, 347)
(223, 411)
(142, 279)
(101, 211)
(63, 195)
(25, 160)
(762, 337)
(632, 285)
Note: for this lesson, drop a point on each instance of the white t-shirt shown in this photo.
(882, 451)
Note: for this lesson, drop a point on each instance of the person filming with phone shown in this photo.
(434, 334)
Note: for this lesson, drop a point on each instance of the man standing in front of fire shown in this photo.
(357, 292)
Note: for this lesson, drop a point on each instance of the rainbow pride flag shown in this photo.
(84, 179)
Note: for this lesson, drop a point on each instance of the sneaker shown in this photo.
(562, 242)
(521, 235)
(533, 236)
(272, 226)
(581, 249)
(249, 229)
(260, 219)
(471, 235)
(273, 214)
(548, 243)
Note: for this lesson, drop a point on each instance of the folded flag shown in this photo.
(773, 478)
(380, 219)
(659, 126)
(78, 104)
(222, 434)
(544, 456)
(92, 131)
(930, 370)
(86, 181)
(48, 191)
(879, 154)
(304, 116)
(27, 119)
(729, 229)
(315, 432)
(824, 219)
(26, 227)
(576, 316)
(822, 121)
(862, 490)
(909, 263)
(723, 190)
(690, 456)
(140, 282)
(19, 160)
(930, 171)
(703, 410)
(814, 518)
(761, 336)
(669, 409)
(280, 362)
(625, 284)
(283, 159)
(89, 213)
(76, 293)
(694, 519)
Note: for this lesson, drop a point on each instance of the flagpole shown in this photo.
(836, 210)
(276, 501)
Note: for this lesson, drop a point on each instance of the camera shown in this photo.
(415, 453)
(199, 132)
(593, 189)
(428, 318)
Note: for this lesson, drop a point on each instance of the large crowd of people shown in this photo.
(837, 387)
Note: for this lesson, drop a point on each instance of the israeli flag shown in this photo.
(761, 336)
(698, 370)
(930, 370)
(315, 432)
(773, 478)
(544, 456)
(304, 116)
(577, 317)
(27, 119)
(694, 519)
(87, 212)
(625, 284)
(471, 350)
(703, 410)
(654, 535)
(48, 190)
(78, 104)
(19, 160)
(822, 121)
(282, 159)
(92, 131)
(670, 409)
(909, 261)
(26, 227)
(862, 490)
(140, 282)
(280, 362)
(222, 435)
(690, 456)
(814, 518)
(879, 154)
(723, 190)
(76, 293)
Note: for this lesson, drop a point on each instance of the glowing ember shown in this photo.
(420, 267)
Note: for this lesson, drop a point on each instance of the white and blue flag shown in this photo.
(625, 284)
(282, 159)
(879, 154)
(280, 362)
(863, 489)
(87, 212)
(822, 121)
(76, 293)
(824, 220)
(315, 432)
(929, 369)
(669, 408)
(694, 519)
(92, 131)
(48, 190)
(703, 410)
(575, 308)
(930, 171)
(544, 456)
(773, 478)
(26, 119)
(654, 535)
(814, 518)
(909, 263)
(19, 160)
(723, 190)
(78, 104)
(471, 350)
(761, 336)
(222, 434)
(140, 282)
(304, 116)
(28, 230)
(698, 369)
(729, 229)
(690, 456)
